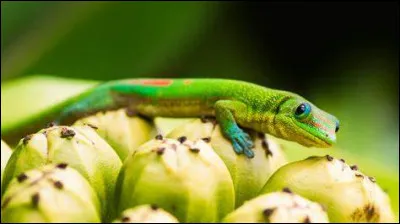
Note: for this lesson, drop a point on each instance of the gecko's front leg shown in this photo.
(225, 111)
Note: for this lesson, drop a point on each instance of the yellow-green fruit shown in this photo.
(122, 131)
(146, 214)
(249, 175)
(278, 207)
(347, 194)
(185, 178)
(81, 148)
(5, 156)
(51, 193)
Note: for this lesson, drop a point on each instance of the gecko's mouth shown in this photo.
(328, 141)
(316, 138)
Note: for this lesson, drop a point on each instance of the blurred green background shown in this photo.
(341, 56)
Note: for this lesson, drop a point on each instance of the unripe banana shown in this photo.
(278, 207)
(123, 131)
(249, 175)
(146, 214)
(347, 194)
(185, 178)
(51, 193)
(80, 147)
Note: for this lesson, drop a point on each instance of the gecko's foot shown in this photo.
(242, 143)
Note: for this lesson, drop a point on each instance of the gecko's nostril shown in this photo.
(337, 126)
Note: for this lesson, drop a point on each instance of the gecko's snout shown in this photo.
(330, 133)
(324, 128)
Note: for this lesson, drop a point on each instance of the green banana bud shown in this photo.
(146, 214)
(5, 156)
(185, 178)
(51, 193)
(348, 194)
(123, 131)
(278, 207)
(249, 175)
(81, 147)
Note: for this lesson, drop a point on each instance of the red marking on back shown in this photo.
(187, 81)
(156, 82)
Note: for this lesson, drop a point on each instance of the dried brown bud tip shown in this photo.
(195, 150)
(354, 167)
(323, 207)
(22, 177)
(66, 133)
(160, 151)
(159, 137)
(154, 207)
(92, 126)
(26, 139)
(268, 212)
(372, 179)
(329, 158)
(182, 139)
(342, 160)
(6, 201)
(264, 144)
(359, 175)
(307, 220)
(58, 185)
(51, 124)
(268, 152)
(207, 139)
(287, 190)
(35, 199)
(125, 219)
(62, 165)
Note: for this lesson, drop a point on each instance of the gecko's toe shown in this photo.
(249, 153)
(245, 143)
(247, 149)
(241, 142)
(237, 148)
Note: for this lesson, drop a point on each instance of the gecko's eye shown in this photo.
(303, 110)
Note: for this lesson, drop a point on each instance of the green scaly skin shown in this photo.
(235, 104)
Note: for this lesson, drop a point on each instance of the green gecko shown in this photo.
(235, 104)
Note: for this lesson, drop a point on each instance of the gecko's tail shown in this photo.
(64, 113)
(12, 135)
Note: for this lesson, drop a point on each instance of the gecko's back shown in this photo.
(182, 97)
(183, 88)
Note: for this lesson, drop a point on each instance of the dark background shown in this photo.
(304, 38)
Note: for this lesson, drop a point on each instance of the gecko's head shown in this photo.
(309, 125)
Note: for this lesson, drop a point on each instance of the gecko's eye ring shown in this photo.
(303, 110)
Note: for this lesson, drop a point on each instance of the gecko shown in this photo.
(236, 105)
